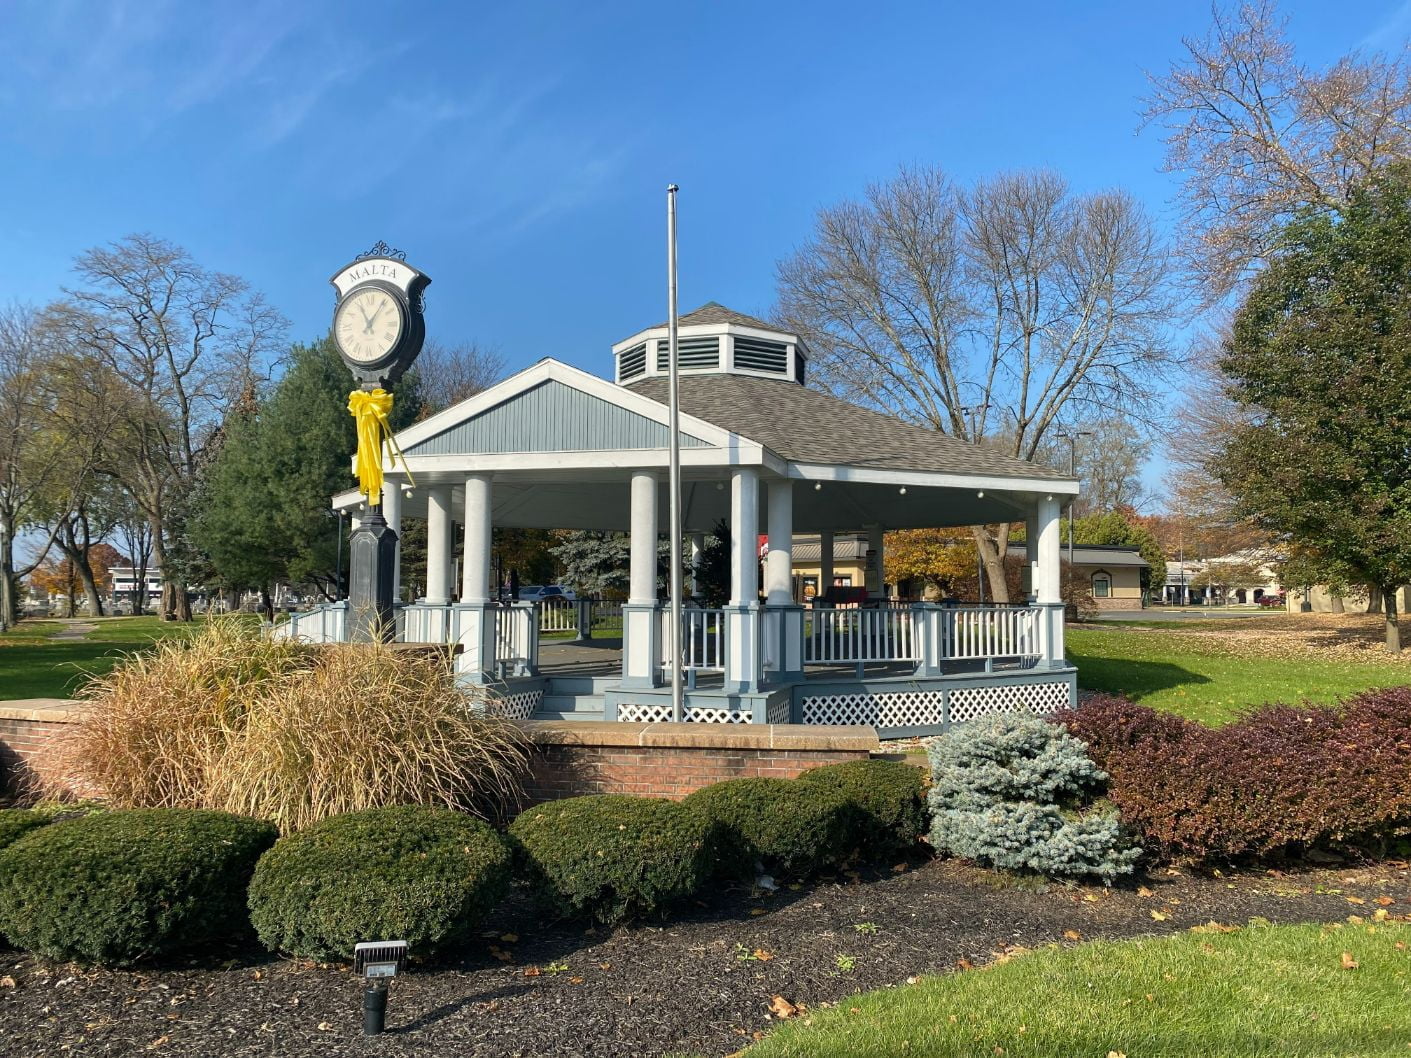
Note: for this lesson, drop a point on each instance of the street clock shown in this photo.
(377, 322)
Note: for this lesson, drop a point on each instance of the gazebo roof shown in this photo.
(712, 312)
(805, 425)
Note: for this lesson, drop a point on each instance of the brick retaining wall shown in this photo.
(652, 759)
(29, 734)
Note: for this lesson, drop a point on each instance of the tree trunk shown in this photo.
(1374, 599)
(1336, 604)
(9, 605)
(992, 549)
(267, 604)
(1393, 630)
(76, 551)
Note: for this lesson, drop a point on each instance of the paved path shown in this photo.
(74, 631)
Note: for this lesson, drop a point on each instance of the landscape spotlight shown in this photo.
(902, 490)
(377, 962)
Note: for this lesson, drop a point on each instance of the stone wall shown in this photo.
(568, 758)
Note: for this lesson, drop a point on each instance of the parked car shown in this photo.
(542, 592)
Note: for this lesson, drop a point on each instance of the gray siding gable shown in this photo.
(551, 417)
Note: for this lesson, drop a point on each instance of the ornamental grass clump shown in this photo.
(158, 727)
(118, 888)
(368, 726)
(424, 875)
(1015, 792)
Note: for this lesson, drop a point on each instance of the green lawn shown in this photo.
(33, 666)
(1158, 666)
(1261, 992)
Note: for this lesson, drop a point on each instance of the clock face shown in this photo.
(368, 325)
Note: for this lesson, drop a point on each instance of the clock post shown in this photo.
(379, 329)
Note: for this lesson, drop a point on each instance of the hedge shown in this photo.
(423, 875)
(611, 857)
(890, 795)
(117, 888)
(793, 828)
(1277, 783)
(15, 823)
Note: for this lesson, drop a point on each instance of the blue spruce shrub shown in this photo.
(1016, 792)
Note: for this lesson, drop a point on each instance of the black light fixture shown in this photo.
(377, 962)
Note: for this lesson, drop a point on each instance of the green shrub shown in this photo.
(15, 823)
(792, 828)
(611, 857)
(889, 794)
(118, 887)
(423, 875)
(1016, 792)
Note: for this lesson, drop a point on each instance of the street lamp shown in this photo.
(1072, 439)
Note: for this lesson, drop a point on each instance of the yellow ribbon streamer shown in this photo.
(371, 411)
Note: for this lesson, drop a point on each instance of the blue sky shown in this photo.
(519, 152)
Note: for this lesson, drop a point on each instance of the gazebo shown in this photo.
(554, 447)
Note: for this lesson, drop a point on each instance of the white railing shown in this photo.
(702, 640)
(855, 636)
(428, 623)
(515, 637)
(982, 632)
(558, 615)
(323, 624)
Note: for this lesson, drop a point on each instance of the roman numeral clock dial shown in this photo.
(368, 325)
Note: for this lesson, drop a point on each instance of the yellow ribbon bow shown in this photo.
(371, 411)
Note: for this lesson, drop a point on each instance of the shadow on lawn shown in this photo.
(1132, 677)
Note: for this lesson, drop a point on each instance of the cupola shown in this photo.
(713, 340)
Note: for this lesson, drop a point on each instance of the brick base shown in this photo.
(568, 758)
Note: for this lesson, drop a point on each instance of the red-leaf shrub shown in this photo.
(1280, 781)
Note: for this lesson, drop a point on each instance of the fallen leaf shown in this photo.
(1115, 1054)
(1144, 891)
(1090, 898)
(1385, 901)
(531, 971)
(1072, 934)
(1214, 927)
(782, 1008)
(1159, 916)
(1356, 920)
(756, 911)
(897, 868)
(158, 1042)
(575, 980)
(964, 964)
(762, 955)
(509, 938)
(1381, 914)
(1348, 962)
(324, 1026)
(604, 966)
(7, 981)
(1355, 900)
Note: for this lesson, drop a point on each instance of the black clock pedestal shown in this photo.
(372, 556)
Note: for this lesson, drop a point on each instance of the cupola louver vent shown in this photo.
(632, 362)
(692, 352)
(757, 354)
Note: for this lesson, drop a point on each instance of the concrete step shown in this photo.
(579, 685)
(568, 714)
(572, 702)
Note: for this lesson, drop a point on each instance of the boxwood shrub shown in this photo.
(890, 796)
(407, 872)
(611, 857)
(792, 828)
(15, 823)
(116, 888)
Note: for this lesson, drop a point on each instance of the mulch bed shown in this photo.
(701, 984)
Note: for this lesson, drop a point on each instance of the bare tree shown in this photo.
(991, 314)
(1259, 137)
(180, 343)
(32, 462)
(448, 374)
(1110, 462)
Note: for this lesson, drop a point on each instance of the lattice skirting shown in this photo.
(972, 702)
(931, 708)
(654, 714)
(519, 706)
(778, 712)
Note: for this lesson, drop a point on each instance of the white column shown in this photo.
(392, 511)
(475, 564)
(644, 538)
(825, 562)
(1031, 552)
(779, 566)
(697, 554)
(438, 545)
(744, 536)
(1049, 589)
(641, 615)
(875, 576)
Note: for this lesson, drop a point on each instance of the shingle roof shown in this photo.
(807, 426)
(714, 312)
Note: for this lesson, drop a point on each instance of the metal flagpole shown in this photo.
(674, 447)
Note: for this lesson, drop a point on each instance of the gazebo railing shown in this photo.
(987, 632)
(702, 640)
(853, 636)
(323, 624)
